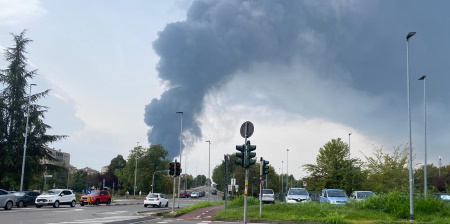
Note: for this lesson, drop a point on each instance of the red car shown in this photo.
(97, 197)
(183, 194)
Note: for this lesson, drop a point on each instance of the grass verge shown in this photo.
(387, 208)
(197, 206)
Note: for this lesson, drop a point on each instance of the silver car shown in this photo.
(268, 196)
(7, 199)
(296, 195)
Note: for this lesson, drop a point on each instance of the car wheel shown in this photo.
(159, 205)
(145, 205)
(38, 206)
(56, 204)
(167, 204)
(109, 202)
(20, 204)
(73, 203)
(97, 202)
(9, 205)
(81, 204)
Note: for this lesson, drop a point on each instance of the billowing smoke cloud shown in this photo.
(218, 39)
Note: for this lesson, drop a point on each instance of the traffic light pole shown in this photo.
(261, 163)
(174, 189)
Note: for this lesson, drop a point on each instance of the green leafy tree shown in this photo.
(334, 169)
(387, 172)
(148, 161)
(14, 103)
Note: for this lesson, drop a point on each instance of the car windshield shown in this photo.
(336, 194)
(267, 191)
(51, 192)
(194, 192)
(94, 193)
(298, 192)
(19, 194)
(152, 196)
(367, 194)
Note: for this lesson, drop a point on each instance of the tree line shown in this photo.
(380, 172)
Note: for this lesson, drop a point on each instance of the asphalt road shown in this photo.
(122, 211)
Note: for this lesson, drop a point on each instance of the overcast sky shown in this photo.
(303, 72)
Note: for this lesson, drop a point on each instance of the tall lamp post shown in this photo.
(425, 187)
(411, 178)
(25, 143)
(209, 170)
(282, 176)
(287, 170)
(135, 173)
(349, 145)
(179, 179)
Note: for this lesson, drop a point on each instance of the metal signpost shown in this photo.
(247, 129)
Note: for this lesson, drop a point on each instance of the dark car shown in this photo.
(25, 198)
(188, 194)
(214, 192)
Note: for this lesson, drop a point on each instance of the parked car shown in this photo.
(214, 192)
(295, 195)
(25, 198)
(156, 199)
(7, 199)
(334, 196)
(361, 195)
(268, 196)
(56, 197)
(195, 194)
(188, 194)
(182, 194)
(442, 196)
(96, 197)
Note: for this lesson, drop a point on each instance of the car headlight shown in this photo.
(332, 201)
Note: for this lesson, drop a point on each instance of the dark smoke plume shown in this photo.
(217, 39)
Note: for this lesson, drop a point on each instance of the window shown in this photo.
(3, 192)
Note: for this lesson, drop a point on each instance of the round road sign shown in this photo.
(247, 129)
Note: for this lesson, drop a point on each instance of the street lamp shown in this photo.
(209, 170)
(135, 173)
(26, 135)
(411, 178)
(179, 179)
(425, 187)
(282, 177)
(153, 179)
(349, 145)
(287, 170)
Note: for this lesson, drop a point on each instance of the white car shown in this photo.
(268, 196)
(56, 197)
(156, 199)
(195, 194)
(7, 199)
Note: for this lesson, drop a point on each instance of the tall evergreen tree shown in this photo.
(14, 104)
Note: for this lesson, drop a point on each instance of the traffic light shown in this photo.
(265, 167)
(240, 155)
(250, 155)
(177, 169)
(172, 169)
